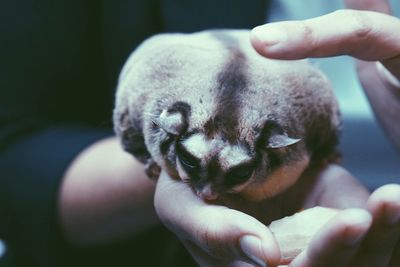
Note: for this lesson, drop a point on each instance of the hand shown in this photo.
(213, 233)
(370, 36)
(352, 238)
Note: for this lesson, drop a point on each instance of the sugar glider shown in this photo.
(209, 110)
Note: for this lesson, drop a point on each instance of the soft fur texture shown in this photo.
(282, 114)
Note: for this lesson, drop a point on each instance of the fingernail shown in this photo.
(251, 245)
(270, 35)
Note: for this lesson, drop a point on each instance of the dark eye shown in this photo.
(189, 162)
(240, 174)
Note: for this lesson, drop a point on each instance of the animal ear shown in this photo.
(172, 123)
(175, 119)
(275, 136)
(281, 140)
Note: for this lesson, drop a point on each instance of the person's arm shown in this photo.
(105, 196)
(369, 36)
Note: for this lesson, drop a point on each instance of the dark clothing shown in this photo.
(59, 62)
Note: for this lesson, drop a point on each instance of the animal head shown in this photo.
(215, 160)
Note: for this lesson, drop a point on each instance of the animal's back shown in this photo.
(219, 71)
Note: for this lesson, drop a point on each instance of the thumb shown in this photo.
(212, 233)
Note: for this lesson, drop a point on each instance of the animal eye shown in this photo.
(241, 174)
(188, 161)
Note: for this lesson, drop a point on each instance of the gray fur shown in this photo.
(214, 83)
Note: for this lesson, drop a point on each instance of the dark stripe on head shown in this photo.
(232, 83)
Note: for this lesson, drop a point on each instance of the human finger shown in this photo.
(213, 233)
(392, 65)
(337, 242)
(382, 6)
(379, 243)
(363, 34)
(383, 96)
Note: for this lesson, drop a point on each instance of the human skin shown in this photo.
(352, 239)
(105, 186)
(105, 196)
(218, 239)
(232, 232)
(367, 35)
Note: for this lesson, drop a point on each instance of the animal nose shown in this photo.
(207, 194)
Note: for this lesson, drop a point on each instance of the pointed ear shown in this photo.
(174, 120)
(281, 140)
(274, 136)
(172, 123)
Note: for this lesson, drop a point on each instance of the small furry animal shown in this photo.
(209, 110)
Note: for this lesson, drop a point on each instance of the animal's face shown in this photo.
(209, 160)
(212, 165)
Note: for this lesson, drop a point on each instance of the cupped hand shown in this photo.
(371, 35)
(354, 237)
(215, 235)
(235, 233)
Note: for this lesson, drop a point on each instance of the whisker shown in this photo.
(155, 123)
(188, 181)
